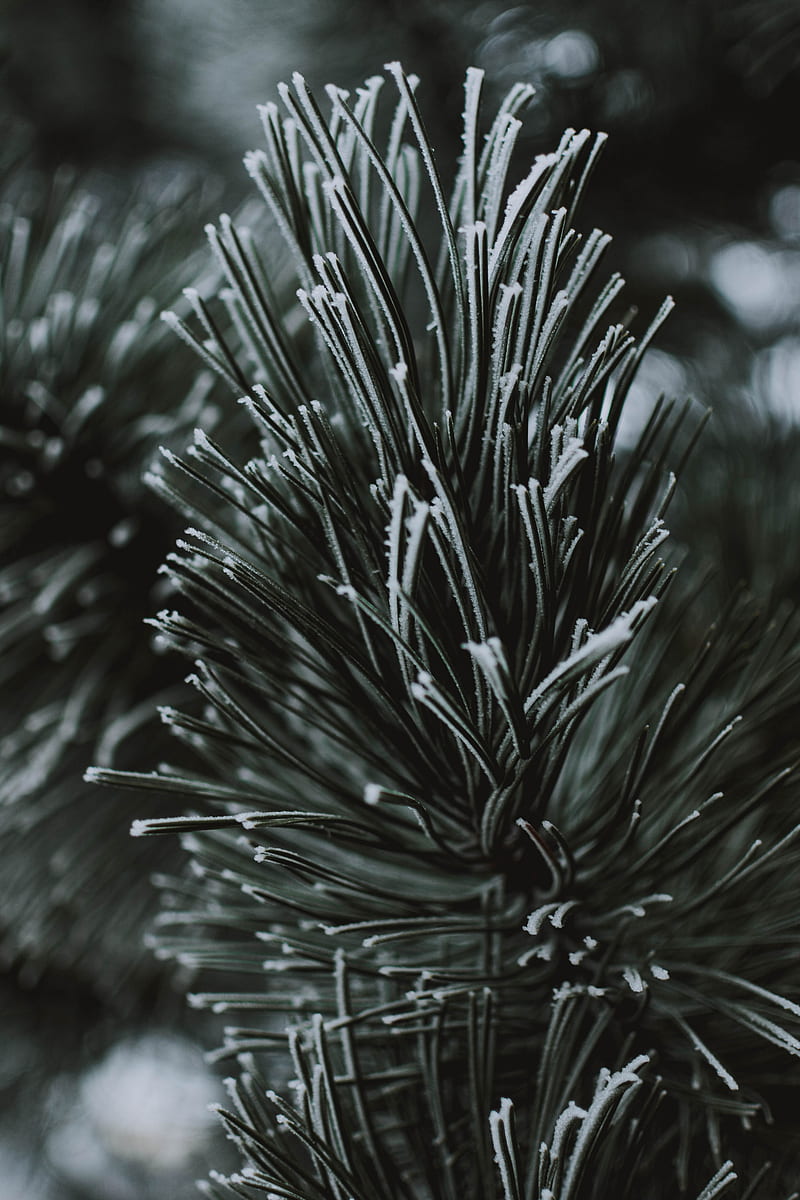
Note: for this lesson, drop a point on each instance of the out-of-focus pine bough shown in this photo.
(90, 382)
(524, 882)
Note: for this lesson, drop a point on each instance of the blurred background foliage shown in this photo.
(700, 188)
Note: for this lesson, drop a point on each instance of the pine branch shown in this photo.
(500, 844)
(88, 377)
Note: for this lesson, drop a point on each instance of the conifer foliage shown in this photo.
(89, 385)
(473, 856)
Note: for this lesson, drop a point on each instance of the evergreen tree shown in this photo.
(522, 866)
(90, 382)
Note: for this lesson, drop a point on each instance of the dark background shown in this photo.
(700, 187)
